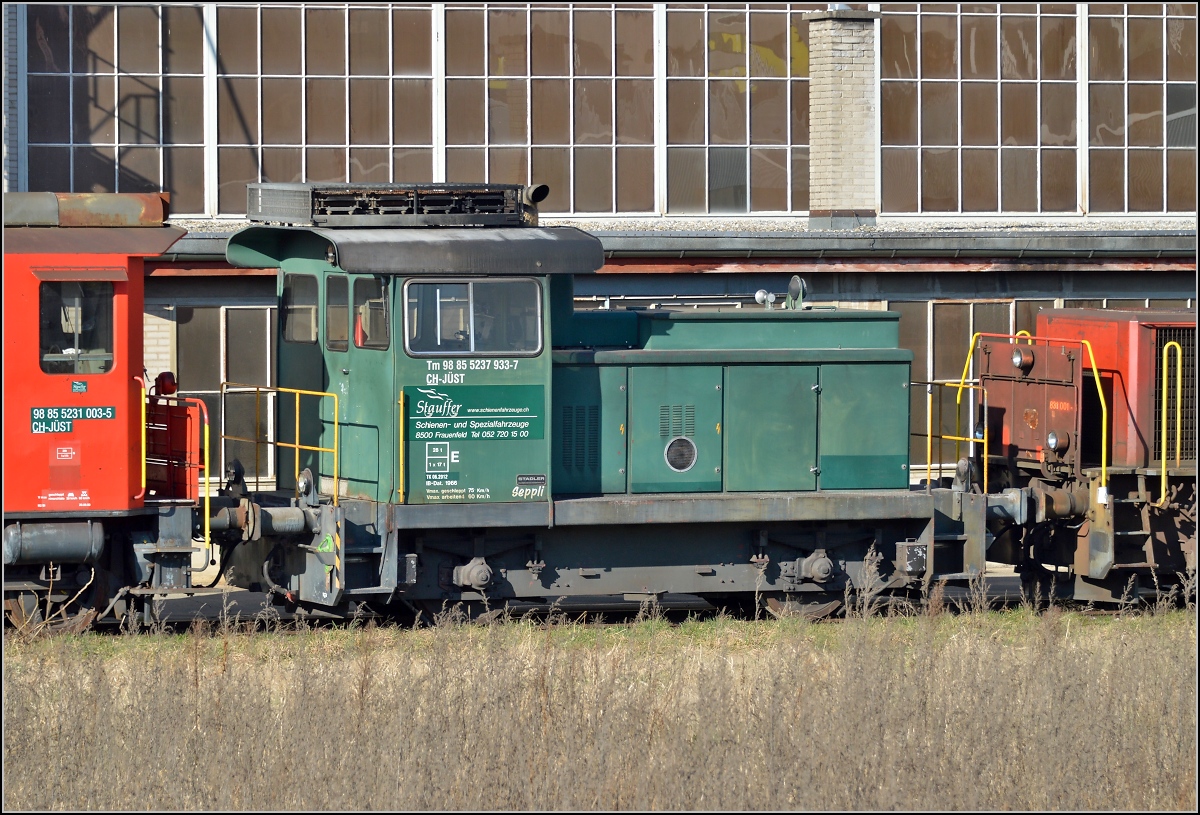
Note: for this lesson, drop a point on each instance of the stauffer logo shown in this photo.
(437, 404)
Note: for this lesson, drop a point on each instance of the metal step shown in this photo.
(956, 575)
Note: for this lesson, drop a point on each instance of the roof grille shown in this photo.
(390, 205)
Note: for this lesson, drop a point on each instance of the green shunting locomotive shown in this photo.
(449, 428)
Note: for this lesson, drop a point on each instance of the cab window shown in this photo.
(482, 317)
(337, 313)
(371, 313)
(76, 334)
(300, 308)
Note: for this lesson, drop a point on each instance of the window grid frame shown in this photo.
(1082, 147)
(1126, 82)
(344, 77)
(999, 82)
(571, 77)
(72, 74)
(437, 76)
(269, 408)
(786, 80)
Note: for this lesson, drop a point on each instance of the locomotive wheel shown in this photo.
(782, 606)
(23, 611)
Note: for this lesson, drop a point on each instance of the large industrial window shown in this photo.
(116, 100)
(939, 335)
(1141, 108)
(494, 317)
(76, 334)
(235, 345)
(1037, 108)
(737, 109)
(640, 108)
(322, 94)
(300, 308)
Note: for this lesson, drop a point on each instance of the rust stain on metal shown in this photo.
(1031, 418)
(90, 240)
(106, 209)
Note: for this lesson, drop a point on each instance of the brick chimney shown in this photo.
(843, 134)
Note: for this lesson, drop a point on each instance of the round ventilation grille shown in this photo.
(681, 454)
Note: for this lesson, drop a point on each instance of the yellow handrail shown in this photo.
(955, 438)
(225, 386)
(1166, 356)
(1095, 375)
(1024, 333)
(142, 382)
(400, 447)
(207, 468)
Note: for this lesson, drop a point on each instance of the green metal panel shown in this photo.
(770, 427)
(614, 410)
(369, 426)
(864, 426)
(588, 441)
(761, 329)
(668, 404)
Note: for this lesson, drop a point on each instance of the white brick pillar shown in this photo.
(842, 104)
(158, 325)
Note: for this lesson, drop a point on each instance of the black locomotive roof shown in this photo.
(424, 251)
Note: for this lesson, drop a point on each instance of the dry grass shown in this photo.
(971, 711)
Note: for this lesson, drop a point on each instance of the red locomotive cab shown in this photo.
(73, 302)
(1128, 348)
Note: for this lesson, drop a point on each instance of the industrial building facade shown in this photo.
(628, 108)
(963, 164)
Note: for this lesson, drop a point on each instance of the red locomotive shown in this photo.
(100, 479)
(1093, 419)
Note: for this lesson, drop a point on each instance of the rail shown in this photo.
(956, 438)
(1166, 357)
(1102, 494)
(296, 445)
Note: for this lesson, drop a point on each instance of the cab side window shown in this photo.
(300, 308)
(76, 327)
(485, 317)
(371, 313)
(337, 313)
(438, 318)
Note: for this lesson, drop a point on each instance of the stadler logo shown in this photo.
(437, 404)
